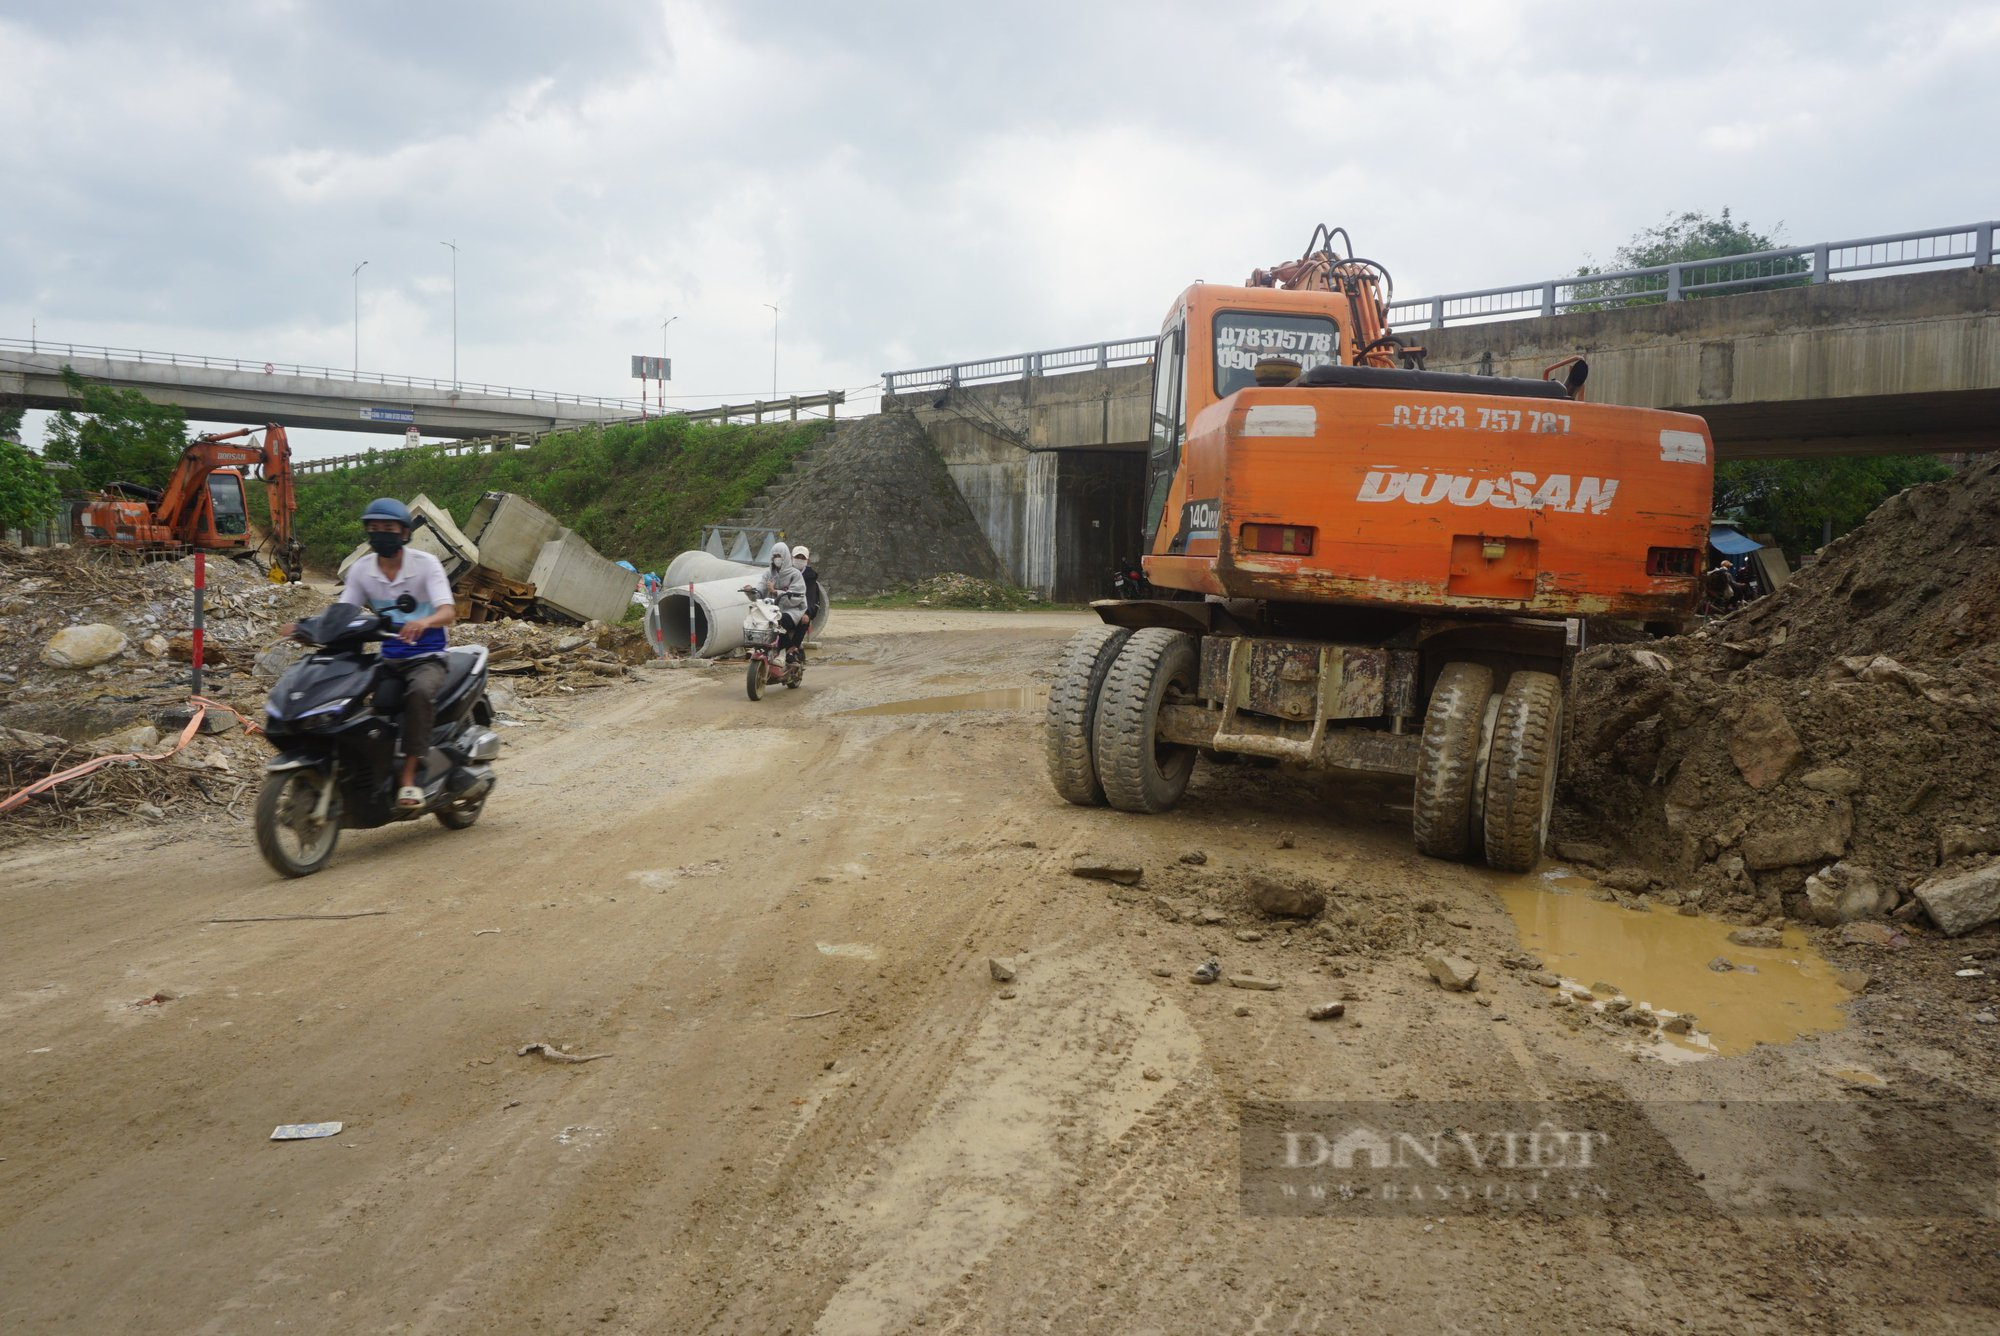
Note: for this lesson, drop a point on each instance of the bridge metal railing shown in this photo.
(1821, 262)
(1021, 366)
(520, 440)
(1791, 265)
(202, 361)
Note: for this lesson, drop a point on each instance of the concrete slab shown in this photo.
(570, 577)
(511, 532)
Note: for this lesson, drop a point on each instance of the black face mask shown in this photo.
(386, 544)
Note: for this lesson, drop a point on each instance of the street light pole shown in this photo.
(454, 310)
(663, 357)
(774, 350)
(357, 315)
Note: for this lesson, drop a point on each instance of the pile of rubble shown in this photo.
(1831, 752)
(95, 652)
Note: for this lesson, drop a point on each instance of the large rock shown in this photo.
(1764, 746)
(1961, 903)
(1843, 893)
(84, 646)
(1454, 973)
(1279, 899)
(1810, 838)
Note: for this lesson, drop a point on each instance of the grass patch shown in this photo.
(956, 591)
(637, 491)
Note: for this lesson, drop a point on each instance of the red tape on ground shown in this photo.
(202, 705)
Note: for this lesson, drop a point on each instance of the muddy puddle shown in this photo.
(1003, 698)
(1662, 960)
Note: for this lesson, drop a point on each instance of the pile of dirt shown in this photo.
(1851, 719)
(879, 510)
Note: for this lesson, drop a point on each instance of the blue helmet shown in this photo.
(389, 508)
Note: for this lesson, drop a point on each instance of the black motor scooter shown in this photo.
(333, 719)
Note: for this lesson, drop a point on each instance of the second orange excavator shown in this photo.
(203, 506)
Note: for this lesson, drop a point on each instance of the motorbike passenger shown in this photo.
(381, 580)
(802, 558)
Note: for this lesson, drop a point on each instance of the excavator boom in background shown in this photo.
(203, 505)
(1369, 566)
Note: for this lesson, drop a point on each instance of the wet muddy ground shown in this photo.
(878, 1062)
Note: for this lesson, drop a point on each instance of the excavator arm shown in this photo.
(1366, 285)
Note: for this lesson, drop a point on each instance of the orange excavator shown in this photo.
(203, 504)
(1370, 567)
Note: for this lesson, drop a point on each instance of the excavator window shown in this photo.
(225, 493)
(1163, 453)
(1245, 338)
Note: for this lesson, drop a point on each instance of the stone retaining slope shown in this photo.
(879, 510)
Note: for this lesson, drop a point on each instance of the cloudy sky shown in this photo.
(908, 183)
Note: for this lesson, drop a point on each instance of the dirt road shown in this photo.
(821, 1111)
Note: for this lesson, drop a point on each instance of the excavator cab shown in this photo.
(227, 516)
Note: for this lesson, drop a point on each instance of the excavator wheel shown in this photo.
(1521, 771)
(1441, 816)
(1140, 773)
(1080, 673)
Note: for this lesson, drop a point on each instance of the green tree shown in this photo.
(1797, 500)
(115, 435)
(1686, 237)
(27, 494)
(1794, 500)
(10, 424)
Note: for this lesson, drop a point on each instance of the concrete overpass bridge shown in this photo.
(1791, 354)
(230, 389)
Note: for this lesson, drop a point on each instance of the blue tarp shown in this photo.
(1731, 543)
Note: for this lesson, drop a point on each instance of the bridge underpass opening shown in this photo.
(1084, 517)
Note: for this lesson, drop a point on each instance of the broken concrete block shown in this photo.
(511, 532)
(1759, 938)
(571, 577)
(1960, 903)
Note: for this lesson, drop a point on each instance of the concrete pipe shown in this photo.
(700, 567)
(707, 621)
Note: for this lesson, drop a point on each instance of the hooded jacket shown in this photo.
(784, 583)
